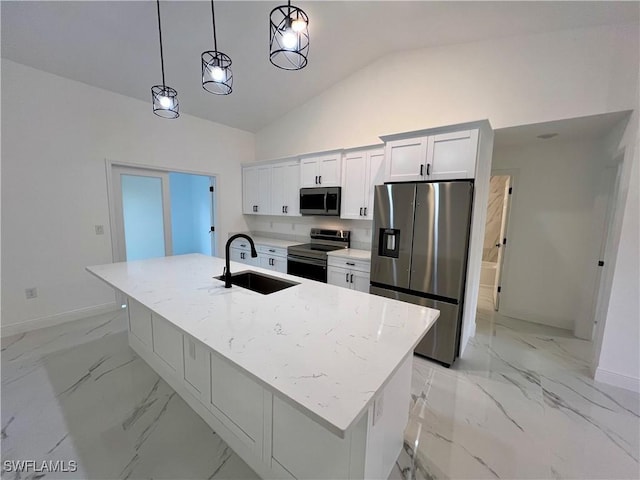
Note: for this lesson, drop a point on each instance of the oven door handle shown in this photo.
(308, 261)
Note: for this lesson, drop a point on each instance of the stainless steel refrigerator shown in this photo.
(419, 254)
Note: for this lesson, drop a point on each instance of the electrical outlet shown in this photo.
(31, 293)
(99, 229)
(378, 407)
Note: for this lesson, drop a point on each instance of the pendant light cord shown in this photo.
(213, 21)
(160, 35)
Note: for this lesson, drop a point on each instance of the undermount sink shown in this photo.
(259, 282)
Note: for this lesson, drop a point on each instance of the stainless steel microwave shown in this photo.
(320, 201)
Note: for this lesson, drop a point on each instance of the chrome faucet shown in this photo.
(227, 272)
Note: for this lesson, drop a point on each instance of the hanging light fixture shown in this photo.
(217, 76)
(165, 99)
(289, 37)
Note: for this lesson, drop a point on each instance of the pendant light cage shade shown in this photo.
(217, 76)
(165, 101)
(289, 37)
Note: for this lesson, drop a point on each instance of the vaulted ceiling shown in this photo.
(114, 44)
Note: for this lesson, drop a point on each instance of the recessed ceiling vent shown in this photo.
(547, 136)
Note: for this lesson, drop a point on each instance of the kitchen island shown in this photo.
(312, 381)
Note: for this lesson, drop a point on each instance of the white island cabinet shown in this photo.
(309, 382)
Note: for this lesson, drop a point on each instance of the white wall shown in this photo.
(57, 134)
(617, 354)
(512, 81)
(548, 252)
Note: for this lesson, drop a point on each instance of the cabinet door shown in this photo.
(237, 400)
(263, 195)
(329, 170)
(305, 448)
(264, 261)
(140, 322)
(405, 159)
(292, 190)
(308, 172)
(279, 264)
(235, 255)
(167, 344)
(285, 189)
(452, 155)
(197, 376)
(359, 281)
(279, 192)
(375, 176)
(338, 276)
(250, 181)
(354, 185)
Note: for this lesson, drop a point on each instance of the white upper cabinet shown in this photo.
(256, 190)
(361, 171)
(321, 171)
(444, 156)
(285, 189)
(406, 159)
(452, 155)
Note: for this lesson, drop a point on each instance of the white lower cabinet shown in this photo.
(197, 369)
(302, 447)
(276, 439)
(272, 258)
(167, 343)
(351, 274)
(140, 322)
(237, 399)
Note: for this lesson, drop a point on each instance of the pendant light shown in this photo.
(217, 76)
(165, 99)
(289, 37)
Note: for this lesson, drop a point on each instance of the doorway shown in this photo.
(495, 238)
(159, 213)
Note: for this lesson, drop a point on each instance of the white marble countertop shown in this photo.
(326, 349)
(352, 253)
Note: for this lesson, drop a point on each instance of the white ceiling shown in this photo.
(114, 45)
(590, 128)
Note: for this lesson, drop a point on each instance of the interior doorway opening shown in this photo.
(495, 237)
(159, 213)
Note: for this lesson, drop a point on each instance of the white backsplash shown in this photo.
(298, 228)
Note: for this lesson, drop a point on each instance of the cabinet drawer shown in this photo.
(140, 322)
(167, 344)
(197, 375)
(241, 244)
(237, 400)
(359, 265)
(272, 251)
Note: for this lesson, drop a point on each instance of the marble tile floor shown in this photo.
(519, 404)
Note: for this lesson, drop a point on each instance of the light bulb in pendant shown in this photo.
(218, 74)
(289, 39)
(165, 101)
(298, 25)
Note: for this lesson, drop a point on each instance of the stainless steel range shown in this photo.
(309, 260)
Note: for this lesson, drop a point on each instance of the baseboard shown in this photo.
(563, 323)
(57, 319)
(618, 380)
